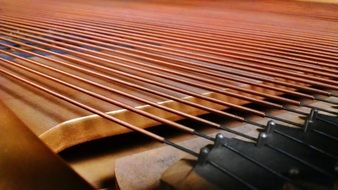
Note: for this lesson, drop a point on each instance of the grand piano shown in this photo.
(168, 94)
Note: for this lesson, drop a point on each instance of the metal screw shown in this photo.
(294, 171)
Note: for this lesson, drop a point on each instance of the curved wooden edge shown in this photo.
(93, 127)
(27, 163)
(84, 129)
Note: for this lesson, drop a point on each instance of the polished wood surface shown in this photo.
(65, 125)
(27, 163)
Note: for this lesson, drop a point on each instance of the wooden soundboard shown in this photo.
(61, 125)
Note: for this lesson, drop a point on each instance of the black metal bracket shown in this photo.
(282, 156)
